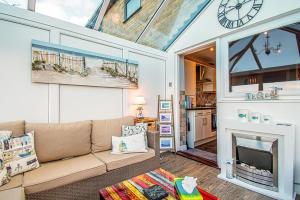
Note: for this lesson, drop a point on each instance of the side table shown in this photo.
(148, 120)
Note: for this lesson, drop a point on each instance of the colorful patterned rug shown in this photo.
(132, 189)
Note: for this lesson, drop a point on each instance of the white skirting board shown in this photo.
(265, 192)
(182, 148)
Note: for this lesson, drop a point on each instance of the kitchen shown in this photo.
(198, 106)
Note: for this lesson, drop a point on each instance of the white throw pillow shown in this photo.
(129, 144)
(19, 154)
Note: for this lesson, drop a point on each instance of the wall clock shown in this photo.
(236, 13)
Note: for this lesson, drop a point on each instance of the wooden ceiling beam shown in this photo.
(240, 54)
(298, 42)
(291, 30)
(256, 57)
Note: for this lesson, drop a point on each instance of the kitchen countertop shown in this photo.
(202, 108)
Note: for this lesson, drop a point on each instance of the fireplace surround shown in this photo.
(246, 143)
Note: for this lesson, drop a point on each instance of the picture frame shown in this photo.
(166, 143)
(58, 64)
(165, 117)
(165, 129)
(165, 105)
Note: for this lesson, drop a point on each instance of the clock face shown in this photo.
(236, 13)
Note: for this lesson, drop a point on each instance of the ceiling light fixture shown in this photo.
(267, 48)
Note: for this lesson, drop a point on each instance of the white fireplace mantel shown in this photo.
(286, 153)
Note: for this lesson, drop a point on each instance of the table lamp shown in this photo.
(139, 101)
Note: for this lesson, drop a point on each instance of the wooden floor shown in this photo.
(207, 178)
(210, 147)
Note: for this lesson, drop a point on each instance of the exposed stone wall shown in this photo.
(113, 22)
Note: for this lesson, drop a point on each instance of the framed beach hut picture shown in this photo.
(165, 105)
(165, 117)
(165, 129)
(166, 143)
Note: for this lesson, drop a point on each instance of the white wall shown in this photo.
(21, 99)
(206, 29)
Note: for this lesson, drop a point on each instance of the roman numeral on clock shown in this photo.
(223, 21)
(240, 22)
(229, 24)
(223, 5)
(250, 16)
(257, 6)
(221, 14)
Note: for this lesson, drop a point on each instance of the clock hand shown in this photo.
(245, 1)
(229, 10)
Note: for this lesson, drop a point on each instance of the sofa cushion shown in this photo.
(14, 182)
(13, 194)
(115, 161)
(58, 173)
(58, 141)
(103, 130)
(17, 127)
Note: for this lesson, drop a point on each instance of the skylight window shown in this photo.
(171, 22)
(16, 3)
(131, 7)
(75, 11)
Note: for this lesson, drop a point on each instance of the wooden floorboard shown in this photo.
(207, 178)
(210, 147)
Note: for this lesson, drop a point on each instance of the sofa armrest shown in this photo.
(153, 141)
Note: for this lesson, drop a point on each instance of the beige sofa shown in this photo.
(76, 160)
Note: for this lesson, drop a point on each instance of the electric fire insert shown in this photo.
(255, 160)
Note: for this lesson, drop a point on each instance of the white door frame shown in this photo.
(178, 60)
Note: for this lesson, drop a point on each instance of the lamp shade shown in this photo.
(139, 100)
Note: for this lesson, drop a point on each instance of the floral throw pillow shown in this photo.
(19, 154)
(4, 135)
(4, 177)
(140, 128)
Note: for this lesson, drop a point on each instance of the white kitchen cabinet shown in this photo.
(199, 126)
(199, 122)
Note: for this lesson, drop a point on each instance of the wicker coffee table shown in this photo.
(132, 189)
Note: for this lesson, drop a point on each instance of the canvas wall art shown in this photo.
(58, 64)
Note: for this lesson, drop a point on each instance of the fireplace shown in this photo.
(256, 160)
(263, 154)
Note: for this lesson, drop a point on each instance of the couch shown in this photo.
(76, 160)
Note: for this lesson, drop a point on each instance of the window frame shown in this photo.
(126, 18)
(226, 95)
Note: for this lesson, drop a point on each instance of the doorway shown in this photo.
(198, 99)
